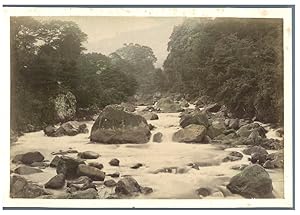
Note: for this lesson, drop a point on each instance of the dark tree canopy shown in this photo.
(237, 62)
(48, 59)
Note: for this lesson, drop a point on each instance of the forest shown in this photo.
(234, 62)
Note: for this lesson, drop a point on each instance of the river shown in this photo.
(153, 156)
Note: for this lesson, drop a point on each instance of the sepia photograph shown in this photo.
(150, 104)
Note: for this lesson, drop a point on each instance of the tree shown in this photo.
(141, 59)
(236, 62)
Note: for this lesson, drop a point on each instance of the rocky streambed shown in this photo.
(162, 169)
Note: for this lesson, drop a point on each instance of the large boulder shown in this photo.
(29, 157)
(127, 186)
(115, 126)
(167, 105)
(217, 127)
(64, 106)
(190, 134)
(253, 182)
(21, 188)
(197, 118)
(68, 166)
(92, 172)
(246, 130)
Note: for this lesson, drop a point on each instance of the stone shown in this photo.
(31, 157)
(190, 134)
(80, 180)
(55, 161)
(269, 165)
(27, 170)
(96, 165)
(258, 158)
(213, 108)
(234, 124)
(110, 183)
(279, 132)
(239, 166)
(65, 106)
(276, 160)
(21, 188)
(114, 162)
(114, 126)
(217, 194)
(146, 190)
(217, 127)
(17, 158)
(224, 191)
(127, 186)
(151, 127)
(231, 158)
(114, 175)
(253, 182)
(154, 116)
(271, 144)
(41, 165)
(56, 182)
(70, 128)
(92, 172)
(229, 131)
(49, 130)
(90, 193)
(68, 166)
(197, 118)
(64, 152)
(255, 149)
(204, 191)
(88, 155)
(136, 166)
(236, 154)
(246, 130)
(157, 137)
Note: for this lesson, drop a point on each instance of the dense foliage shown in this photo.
(142, 59)
(236, 62)
(47, 59)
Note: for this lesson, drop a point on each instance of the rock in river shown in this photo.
(197, 118)
(88, 155)
(92, 172)
(56, 182)
(21, 188)
(30, 157)
(157, 137)
(114, 126)
(190, 134)
(114, 162)
(128, 186)
(253, 182)
(68, 166)
(27, 170)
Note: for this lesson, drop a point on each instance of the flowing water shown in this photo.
(154, 156)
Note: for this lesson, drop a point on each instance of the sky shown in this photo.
(107, 34)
